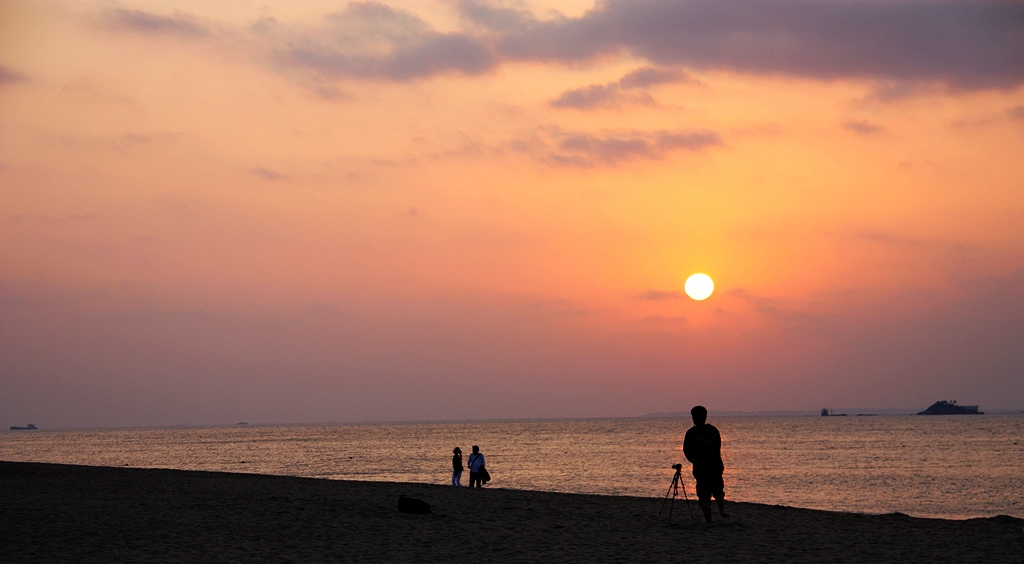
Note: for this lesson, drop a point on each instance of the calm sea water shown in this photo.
(943, 466)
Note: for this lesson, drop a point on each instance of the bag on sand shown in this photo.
(413, 505)
(484, 475)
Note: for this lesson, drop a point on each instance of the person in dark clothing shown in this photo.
(476, 464)
(703, 448)
(457, 467)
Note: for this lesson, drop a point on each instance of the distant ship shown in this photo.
(29, 428)
(826, 412)
(951, 408)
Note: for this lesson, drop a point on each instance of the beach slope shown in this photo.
(53, 513)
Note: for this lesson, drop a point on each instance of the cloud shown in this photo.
(266, 174)
(600, 96)
(663, 320)
(900, 44)
(658, 295)
(649, 76)
(611, 148)
(774, 307)
(8, 76)
(895, 90)
(889, 239)
(138, 21)
(123, 143)
(862, 127)
(69, 218)
(94, 89)
(372, 40)
(1015, 113)
(963, 44)
(615, 94)
(430, 55)
(496, 18)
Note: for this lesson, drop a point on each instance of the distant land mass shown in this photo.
(815, 412)
(790, 413)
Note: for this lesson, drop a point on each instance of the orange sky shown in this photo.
(460, 209)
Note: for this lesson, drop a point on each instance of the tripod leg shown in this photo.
(666, 497)
(687, 503)
(671, 507)
(675, 493)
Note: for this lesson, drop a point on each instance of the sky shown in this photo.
(241, 210)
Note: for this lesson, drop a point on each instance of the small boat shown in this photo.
(28, 428)
(944, 407)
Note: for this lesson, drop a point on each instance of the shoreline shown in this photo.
(55, 512)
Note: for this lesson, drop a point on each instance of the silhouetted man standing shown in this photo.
(476, 464)
(703, 447)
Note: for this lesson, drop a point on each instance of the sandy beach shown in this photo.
(60, 513)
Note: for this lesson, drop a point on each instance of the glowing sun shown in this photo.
(699, 286)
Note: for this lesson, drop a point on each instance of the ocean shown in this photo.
(958, 466)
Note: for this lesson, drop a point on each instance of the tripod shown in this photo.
(673, 488)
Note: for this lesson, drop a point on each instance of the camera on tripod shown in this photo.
(673, 490)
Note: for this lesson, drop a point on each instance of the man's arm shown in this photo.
(688, 447)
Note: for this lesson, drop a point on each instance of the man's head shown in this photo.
(476, 448)
(699, 414)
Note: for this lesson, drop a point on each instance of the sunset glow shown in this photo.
(425, 209)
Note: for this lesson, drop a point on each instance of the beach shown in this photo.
(70, 513)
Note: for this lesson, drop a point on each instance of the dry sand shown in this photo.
(58, 513)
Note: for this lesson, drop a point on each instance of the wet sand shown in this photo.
(59, 513)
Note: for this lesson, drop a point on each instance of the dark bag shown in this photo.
(484, 475)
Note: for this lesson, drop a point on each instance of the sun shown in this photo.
(699, 286)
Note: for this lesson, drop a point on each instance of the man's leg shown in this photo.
(704, 498)
(721, 506)
(705, 508)
(720, 497)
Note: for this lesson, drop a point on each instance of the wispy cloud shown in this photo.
(888, 239)
(659, 295)
(895, 90)
(862, 127)
(600, 96)
(69, 218)
(618, 93)
(123, 143)
(265, 173)
(495, 18)
(8, 76)
(138, 21)
(584, 149)
(372, 40)
(772, 307)
(646, 77)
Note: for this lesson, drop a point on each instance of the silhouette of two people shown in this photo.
(703, 448)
